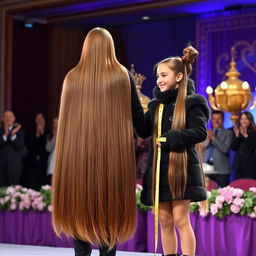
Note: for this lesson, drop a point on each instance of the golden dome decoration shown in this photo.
(232, 95)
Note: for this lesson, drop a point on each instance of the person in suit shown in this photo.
(217, 149)
(11, 144)
(244, 143)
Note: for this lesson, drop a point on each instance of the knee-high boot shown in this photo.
(82, 248)
(104, 251)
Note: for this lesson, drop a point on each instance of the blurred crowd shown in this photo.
(27, 158)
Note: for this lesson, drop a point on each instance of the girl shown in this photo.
(94, 176)
(244, 143)
(184, 118)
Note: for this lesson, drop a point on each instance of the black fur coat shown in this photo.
(197, 116)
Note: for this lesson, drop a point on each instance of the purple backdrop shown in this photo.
(216, 34)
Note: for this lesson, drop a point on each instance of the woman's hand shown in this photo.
(236, 131)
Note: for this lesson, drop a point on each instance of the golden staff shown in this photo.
(158, 139)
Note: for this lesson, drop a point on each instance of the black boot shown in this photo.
(105, 252)
(82, 248)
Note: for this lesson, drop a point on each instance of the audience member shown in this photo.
(36, 161)
(244, 143)
(11, 144)
(217, 149)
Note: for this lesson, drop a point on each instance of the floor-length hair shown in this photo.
(94, 178)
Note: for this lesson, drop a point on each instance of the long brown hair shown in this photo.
(177, 172)
(94, 178)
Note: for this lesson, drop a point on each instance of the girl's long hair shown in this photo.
(177, 171)
(94, 178)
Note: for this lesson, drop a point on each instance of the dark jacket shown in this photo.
(197, 116)
(10, 151)
(11, 158)
(245, 158)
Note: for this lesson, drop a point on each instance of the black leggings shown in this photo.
(83, 248)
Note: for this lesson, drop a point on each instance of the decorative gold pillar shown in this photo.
(232, 95)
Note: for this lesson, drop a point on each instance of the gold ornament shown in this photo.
(232, 95)
(139, 78)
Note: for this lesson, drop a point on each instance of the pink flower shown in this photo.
(2, 201)
(46, 187)
(13, 206)
(228, 199)
(252, 215)
(6, 198)
(214, 209)
(40, 206)
(238, 192)
(21, 205)
(17, 187)
(239, 202)
(16, 194)
(253, 189)
(219, 205)
(10, 190)
(219, 199)
(235, 208)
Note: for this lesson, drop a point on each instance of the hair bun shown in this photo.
(190, 53)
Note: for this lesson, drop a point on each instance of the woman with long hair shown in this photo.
(244, 143)
(94, 177)
(183, 117)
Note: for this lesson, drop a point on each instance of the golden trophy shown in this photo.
(139, 78)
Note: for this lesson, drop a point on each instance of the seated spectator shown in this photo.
(217, 150)
(11, 144)
(244, 143)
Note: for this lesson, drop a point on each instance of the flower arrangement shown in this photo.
(24, 199)
(221, 202)
(226, 201)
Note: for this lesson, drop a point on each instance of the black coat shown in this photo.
(245, 158)
(197, 116)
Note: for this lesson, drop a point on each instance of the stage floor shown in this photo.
(29, 250)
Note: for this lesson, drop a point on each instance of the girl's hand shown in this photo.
(158, 144)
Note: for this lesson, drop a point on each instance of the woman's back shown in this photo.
(94, 177)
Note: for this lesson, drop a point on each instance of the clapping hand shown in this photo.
(39, 129)
(211, 135)
(16, 129)
(236, 131)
